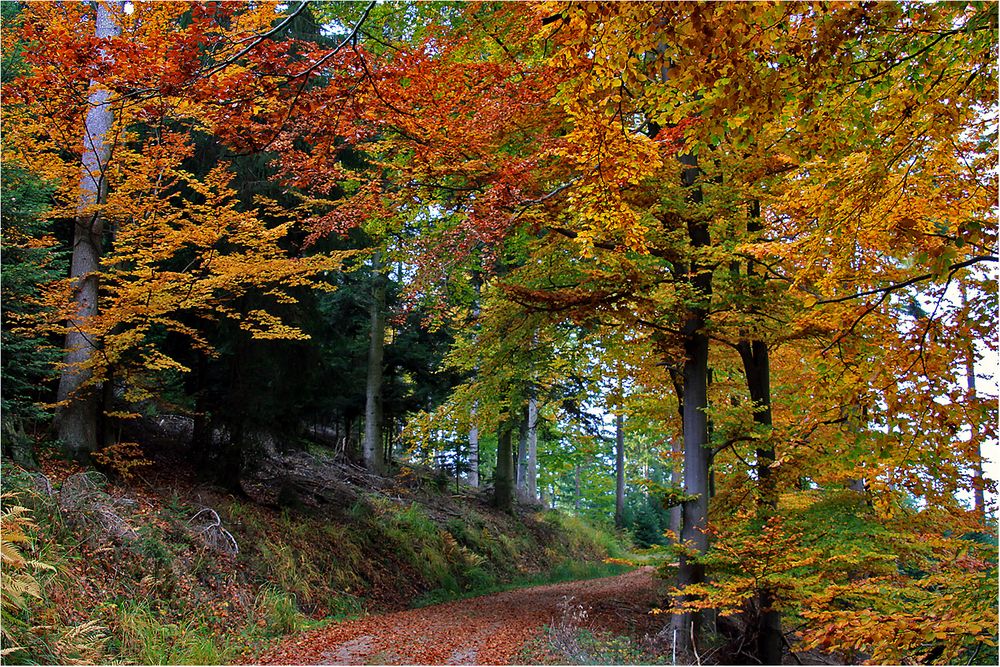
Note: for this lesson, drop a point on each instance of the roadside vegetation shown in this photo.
(98, 571)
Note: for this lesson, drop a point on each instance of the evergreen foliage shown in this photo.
(30, 259)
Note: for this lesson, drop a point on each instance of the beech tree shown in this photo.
(762, 217)
(130, 237)
(78, 418)
(638, 201)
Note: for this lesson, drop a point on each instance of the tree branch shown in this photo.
(906, 283)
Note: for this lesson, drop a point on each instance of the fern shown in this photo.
(20, 588)
(18, 583)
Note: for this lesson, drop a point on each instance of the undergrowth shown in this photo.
(571, 641)
(583, 646)
(565, 571)
(133, 580)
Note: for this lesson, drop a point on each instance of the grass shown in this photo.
(141, 633)
(566, 571)
(167, 598)
(567, 644)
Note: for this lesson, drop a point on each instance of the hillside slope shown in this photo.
(165, 569)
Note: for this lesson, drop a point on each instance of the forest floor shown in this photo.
(491, 629)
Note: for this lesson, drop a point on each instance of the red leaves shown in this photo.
(485, 630)
(672, 138)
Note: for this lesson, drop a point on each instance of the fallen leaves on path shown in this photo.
(487, 630)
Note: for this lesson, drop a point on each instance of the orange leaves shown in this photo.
(184, 249)
(198, 259)
(124, 458)
(941, 617)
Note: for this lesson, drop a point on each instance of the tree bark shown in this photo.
(372, 450)
(694, 512)
(522, 453)
(79, 415)
(476, 280)
(576, 488)
(978, 484)
(677, 454)
(757, 369)
(756, 365)
(531, 472)
(619, 471)
(474, 451)
(676, 448)
(503, 476)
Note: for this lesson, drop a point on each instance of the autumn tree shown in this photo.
(160, 264)
(80, 397)
(666, 123)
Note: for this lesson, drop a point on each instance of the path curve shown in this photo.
(487, 630)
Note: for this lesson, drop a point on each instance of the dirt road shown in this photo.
(486, 630)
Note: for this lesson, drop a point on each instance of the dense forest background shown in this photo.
(723, 275)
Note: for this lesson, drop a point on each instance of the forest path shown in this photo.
(487, 630)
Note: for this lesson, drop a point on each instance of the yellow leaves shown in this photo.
(19, 571)
(736, 121)
(263, 325)
(173, 255)
(125, 458)
(798, 500)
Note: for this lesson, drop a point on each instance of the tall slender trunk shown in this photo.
(978, 494)
(677, 455)
(676, 450)
(474, 451)
(503, 476)
(978, 484)
(372, 450)
(619, 471)
(576, 488)
(79, 415)
(756, 365)
(694, 512)
(532, 471)
(522, 453)
(757, 369)
(476, 280)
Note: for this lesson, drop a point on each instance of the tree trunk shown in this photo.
(619, 471)
(677, 454)
(474, 452)
(503, 477)
(576, 488)
(372, 447)
(531, 472)
(694, 512)
(978, 485)
(757, 369)
(522, 453)
(676, 449)
(79, 415)
(476, 280)
(756, 365)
